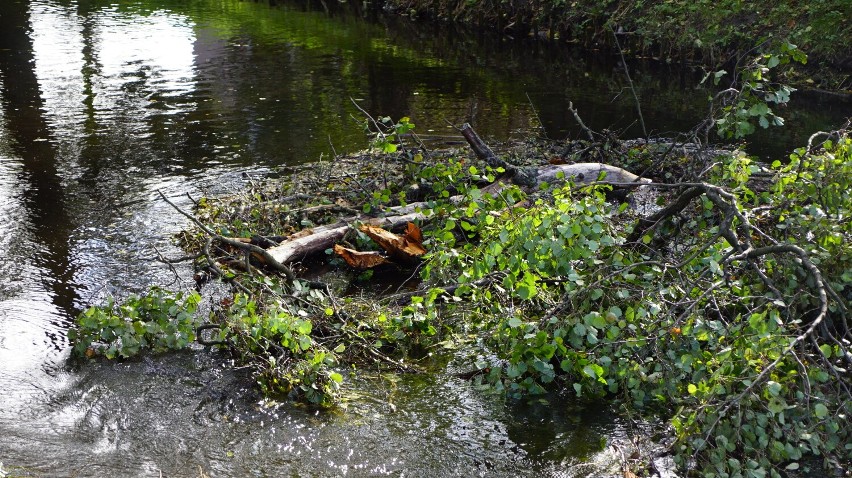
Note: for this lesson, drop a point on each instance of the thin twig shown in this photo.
(632, 87)
(579, 121)
(537, 117)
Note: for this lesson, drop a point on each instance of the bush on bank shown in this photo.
(711, 32)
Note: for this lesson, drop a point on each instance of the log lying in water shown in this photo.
(318, 239)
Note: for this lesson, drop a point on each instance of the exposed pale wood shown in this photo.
(318, 239)
(324, 237)
(405, 248)
(361, 260)
(588, 173)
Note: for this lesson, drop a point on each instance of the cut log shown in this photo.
(318, 239)
(321, 238)
(361, 260)
(406, 248)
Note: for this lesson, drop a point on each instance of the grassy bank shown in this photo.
(714, 33)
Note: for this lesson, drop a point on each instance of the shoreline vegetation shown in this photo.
(713, 34)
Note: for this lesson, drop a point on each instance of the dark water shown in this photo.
(102, 103)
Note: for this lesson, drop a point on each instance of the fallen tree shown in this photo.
(314, 240)
(309, 241)
(726, 311)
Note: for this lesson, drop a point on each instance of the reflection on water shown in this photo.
(105, 102)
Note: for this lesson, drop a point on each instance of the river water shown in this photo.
(103, 103)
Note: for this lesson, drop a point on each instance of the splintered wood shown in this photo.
(361, 260)
(405, 249)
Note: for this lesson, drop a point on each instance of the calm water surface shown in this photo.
(103, 103)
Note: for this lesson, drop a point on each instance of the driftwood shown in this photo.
(248, 248)
(579, 173)
(482, 150)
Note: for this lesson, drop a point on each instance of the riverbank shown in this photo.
(714, 34)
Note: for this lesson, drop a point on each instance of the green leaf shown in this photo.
(336, 377)
(776, 405)
(515, 322)
(304, 327)
(774, 388)
(516, 370)
(774, 60)
(691, 388)
(759, 109)
(599, 321)
(820, 410)
(526, 291)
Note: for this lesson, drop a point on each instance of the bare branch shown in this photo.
(250, 248)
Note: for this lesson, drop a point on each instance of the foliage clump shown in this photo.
(729, 315)
(725, 311)
(158, 320)
(288, 361)
(711, 32)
